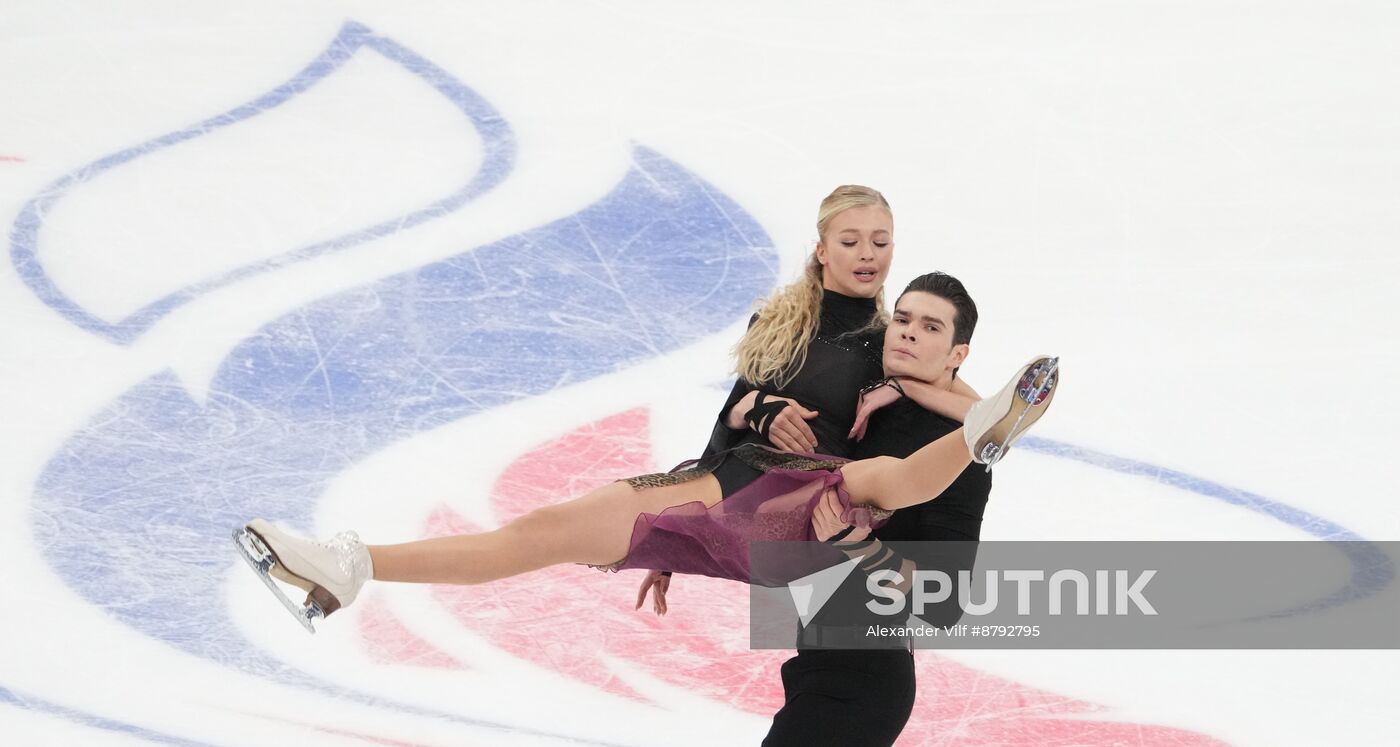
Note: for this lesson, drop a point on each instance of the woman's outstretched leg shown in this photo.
(596, 528)
(992, 426)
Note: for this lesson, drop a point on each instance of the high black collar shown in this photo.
(841, 313)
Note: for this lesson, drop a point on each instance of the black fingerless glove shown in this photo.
(760, 416)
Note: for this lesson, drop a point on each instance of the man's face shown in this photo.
(919, 340)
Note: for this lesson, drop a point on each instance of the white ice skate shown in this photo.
(995, 423)
(330, 572)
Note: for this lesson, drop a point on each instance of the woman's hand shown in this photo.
(885, 393)
(826, 519)
(659, 581)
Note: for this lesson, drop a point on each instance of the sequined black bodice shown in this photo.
(842, 358)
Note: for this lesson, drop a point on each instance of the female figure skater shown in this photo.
(816, 343)
(688, 527)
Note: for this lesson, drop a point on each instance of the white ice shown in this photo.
(1193, 204)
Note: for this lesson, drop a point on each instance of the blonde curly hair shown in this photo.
(775, 347)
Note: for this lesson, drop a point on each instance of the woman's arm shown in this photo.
(950, 403)
(734, 419)
(962, 387)
(784, 425)
(724, 436)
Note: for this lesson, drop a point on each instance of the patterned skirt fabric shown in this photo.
(714, 541)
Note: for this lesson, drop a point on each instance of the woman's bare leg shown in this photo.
(992, 426)
(595, 528)
(893, 483)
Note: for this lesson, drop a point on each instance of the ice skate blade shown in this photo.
(264, 563)
(1034, 392)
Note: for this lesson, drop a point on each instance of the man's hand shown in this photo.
(789, 431)
(826, 519)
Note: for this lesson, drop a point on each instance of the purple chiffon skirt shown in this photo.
(714, 541)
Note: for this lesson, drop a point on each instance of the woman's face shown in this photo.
(919, 340)
(855, 252)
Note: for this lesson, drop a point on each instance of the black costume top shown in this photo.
(899, 429)
(842, 358)
(865, 696)
(875, 686)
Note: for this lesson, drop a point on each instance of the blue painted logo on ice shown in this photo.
(134, 510)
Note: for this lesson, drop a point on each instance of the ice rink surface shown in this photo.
(416, 268)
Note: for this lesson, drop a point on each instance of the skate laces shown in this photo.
(350, 554)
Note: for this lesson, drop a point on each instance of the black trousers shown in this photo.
(848, 698)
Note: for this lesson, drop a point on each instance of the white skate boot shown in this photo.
(330, 572)
(995, 423)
